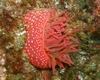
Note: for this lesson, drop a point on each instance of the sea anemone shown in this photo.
(48, 38)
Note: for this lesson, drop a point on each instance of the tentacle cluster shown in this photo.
(59, 41)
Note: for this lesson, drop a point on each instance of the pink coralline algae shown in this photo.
(48, 39)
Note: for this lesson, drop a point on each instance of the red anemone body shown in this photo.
(48, 41)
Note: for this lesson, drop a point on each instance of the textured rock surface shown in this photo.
(13, 62)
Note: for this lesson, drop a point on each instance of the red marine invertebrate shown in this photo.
(48, 40)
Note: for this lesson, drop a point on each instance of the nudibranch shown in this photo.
(48, 40)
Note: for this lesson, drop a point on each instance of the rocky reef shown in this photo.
(14, 64)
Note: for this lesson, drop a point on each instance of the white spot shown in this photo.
(32, 55)
(31, 23)
(32, 41)
(29, 53)
(38, 63)
(27, 50)
(33, 16)
(33, 37)
(32, 20)
(28, 37)
(29, 41)
(26, 47)
(29, 44)
(31, 58)
(36, 57)
(29, 18)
